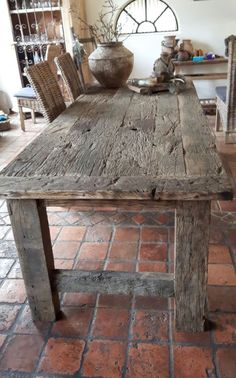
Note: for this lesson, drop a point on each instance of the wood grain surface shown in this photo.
(119, 144)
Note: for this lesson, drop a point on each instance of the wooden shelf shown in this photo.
(192, 63)
(207, 76)
(35, 10)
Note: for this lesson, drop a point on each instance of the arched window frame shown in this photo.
(145, 20)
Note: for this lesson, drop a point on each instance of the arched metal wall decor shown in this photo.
(146, 16)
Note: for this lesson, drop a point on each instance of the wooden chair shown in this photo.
(69, 74)
(46, 89)
(226, 96)
(26, 98)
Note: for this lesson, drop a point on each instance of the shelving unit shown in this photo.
(35, 25)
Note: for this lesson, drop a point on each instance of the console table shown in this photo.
(130, 151)
(181, 65)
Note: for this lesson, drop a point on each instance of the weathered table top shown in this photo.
(118, 144)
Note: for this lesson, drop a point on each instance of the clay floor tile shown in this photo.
(154, 266)
(227, 362)
(89, 265)
(154, 234)
(123, 251)
(72, 233)
(62, 356)
(228, 205)
(22, 353)
(148, 360)
(63, 264)
(121, 266)
(216, 236)
(104, 359)
(232, 237)
(194, 338)
(126, 234)
(5, 266)
(111, 323)
(219, 254)
(98, 234)
(65, 250)
(3, 231)
(79, 299)
(150, 325)
(153, 252)
(151, 303)
(54, 232)
(115, 301)
(222, 298)
(221, 274)
(224, 328)
(13, 291)
(93, 251)
(8, 315)
(192, 362)
(138, 219)
(25, 324)
(75, 321)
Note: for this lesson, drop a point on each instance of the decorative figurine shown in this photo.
(163, 68)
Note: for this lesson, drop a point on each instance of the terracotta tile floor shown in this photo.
(116, 336)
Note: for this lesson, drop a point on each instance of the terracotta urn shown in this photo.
(111, 64)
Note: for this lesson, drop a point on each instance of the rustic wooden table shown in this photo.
(131, 151)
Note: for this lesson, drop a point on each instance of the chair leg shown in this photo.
(22, 118)
(33, 116)
(218, 125)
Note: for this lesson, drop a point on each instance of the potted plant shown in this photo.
(111, 63)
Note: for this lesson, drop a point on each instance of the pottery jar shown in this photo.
(187, 45)
(111, 64)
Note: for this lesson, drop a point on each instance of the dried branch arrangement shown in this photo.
(104, 30)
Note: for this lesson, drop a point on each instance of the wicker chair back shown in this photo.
(46, 89)
(69, 74)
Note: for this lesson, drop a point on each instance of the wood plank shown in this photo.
(143, 188)
(167, 158)
(32, 238)
(109, 282)
(201, 157)
(191, 264)
(131, 151)
(134, 205)
(135, 188)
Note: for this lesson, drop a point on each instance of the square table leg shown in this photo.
(31, 233)
(192, 231)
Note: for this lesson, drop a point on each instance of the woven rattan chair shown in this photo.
(226, 96)
(26, 98)
(69, 74)
(46, 89)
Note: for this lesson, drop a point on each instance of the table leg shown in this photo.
(191, 264)
(31, 233)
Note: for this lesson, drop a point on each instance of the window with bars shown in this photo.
(146, 16)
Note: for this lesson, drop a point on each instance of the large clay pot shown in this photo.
(111, 64)
(169, 44)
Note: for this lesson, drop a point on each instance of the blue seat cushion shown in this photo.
(27, 92)
(221, 93)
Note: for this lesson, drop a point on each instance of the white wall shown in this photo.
(207, 23)
(9, 76)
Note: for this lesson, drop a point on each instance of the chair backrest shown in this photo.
(69, 74)
(46, 89)
(231, 81)
(51, 53)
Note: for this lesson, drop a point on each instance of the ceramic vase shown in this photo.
(111, 64)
